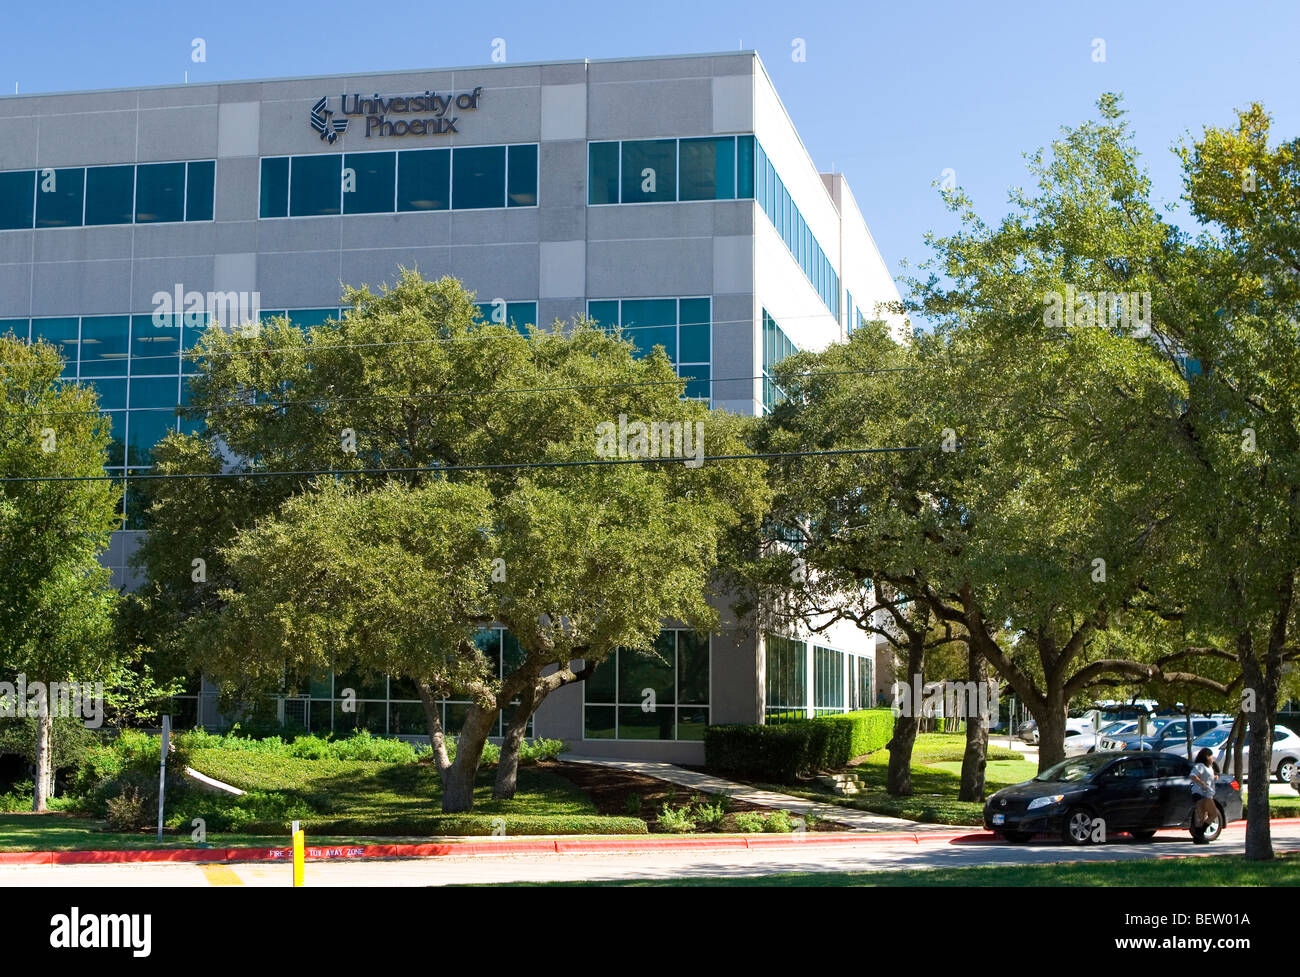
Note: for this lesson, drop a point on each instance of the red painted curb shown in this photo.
(530, 846)
(521, 846)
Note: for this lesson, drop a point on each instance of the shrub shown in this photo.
(128, 811)
(19, 797)
(676, 821)
(632, 804)
(427, 825)
(778, 822)
(711, 815)
(785, 751)
(749, 822)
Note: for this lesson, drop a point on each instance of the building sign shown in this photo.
(438, 113)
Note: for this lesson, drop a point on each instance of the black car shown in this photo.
(1132, 792)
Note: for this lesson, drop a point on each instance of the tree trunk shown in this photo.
(975, 759)
(1187, 714)
(458, 779)
(508, 766)
(433, 722)
(898, 779)
(1259, 840)
(44, 757)
(1051, 730)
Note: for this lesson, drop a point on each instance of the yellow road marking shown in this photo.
(220, 874)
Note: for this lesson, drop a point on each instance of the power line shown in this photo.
(443, 469)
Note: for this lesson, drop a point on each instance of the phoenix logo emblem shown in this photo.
(323, 121)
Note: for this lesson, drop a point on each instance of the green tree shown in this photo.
(56, 604)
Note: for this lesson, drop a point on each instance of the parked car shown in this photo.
(1137, 793)
(1286, 753)
(1028, 731)
(1163, 732)
(1088, 742)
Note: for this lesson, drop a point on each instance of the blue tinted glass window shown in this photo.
(315, 185)
(649, 171)
(104, 347)
(63, 334)
(604, 312)
(59, 197)
(424, 179)
(521, 314)
(155, 345)
(649, 312)
(708, 169)
(745, 166)
(275, 188)
(368, 183)
(17, 204)
(160, 193)
(21, 328)
(698, 380)
(647, 338)
(112, 393)
(307, 318)
(602, 173)
(521, 190)
(110, 195)
(478, 177)
(694, 343)
(152, 416)
(199, 187)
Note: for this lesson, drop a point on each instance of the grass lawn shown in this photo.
(1214, 870)
(62, 832)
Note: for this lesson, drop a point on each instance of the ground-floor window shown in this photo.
(803, 679)
(659, 695)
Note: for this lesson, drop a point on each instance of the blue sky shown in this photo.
(890, 94)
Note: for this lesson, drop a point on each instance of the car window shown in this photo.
(1174, 729)
(1168, 765)
(1133, 768)
(1212, 738)
(1280, 734)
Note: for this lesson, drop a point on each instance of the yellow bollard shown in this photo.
(299, 853)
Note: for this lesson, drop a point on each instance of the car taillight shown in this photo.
(1235, 785)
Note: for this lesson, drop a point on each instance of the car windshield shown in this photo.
(1115, 728)
(1213, 738)
(1079, 768)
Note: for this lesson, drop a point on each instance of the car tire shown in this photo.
(1077, 827)
(1208, 833)
(1286, 770)
(1017, 837)
(1146, 834)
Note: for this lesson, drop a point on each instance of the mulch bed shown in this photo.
(624, 793)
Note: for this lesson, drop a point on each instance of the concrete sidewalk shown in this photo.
(705, 783)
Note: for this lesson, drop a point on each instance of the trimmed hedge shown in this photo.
(784, 752)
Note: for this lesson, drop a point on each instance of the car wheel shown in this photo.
(1286, 770)
(1146, 834)
(1077, 829)
(1017, 837)
(1209, 832)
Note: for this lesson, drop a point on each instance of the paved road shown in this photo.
(879, 855)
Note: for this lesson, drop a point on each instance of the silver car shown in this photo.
(1286, 751)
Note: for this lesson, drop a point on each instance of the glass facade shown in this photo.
(669, 170)
(682, 326)
(147, 193)
(772, 196)
(839, 681)
(518, 314)
(636, 695)
(776, 347)
(460, 178)
(341, 702)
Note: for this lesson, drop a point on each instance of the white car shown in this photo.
(1286, 751)
(1087, 742)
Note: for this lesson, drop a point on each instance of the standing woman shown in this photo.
(1203, 790)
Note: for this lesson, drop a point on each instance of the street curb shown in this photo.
(552, 845)
(523, 846)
